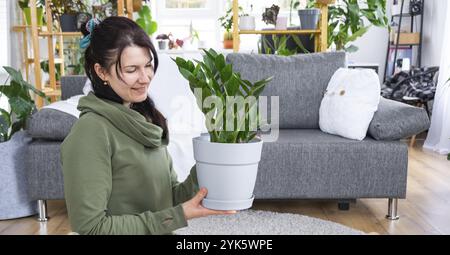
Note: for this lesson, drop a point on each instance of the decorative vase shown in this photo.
(247, 23)
(228, 171)
(309, 18)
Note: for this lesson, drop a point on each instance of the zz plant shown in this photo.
(218, 90)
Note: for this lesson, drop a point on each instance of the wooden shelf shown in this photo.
(402, 15)
(279, 32)
(60, 33)
(35, 32)
(51, 92)
(57, 60)
(320, 34)
(392, 45)
(21, 28)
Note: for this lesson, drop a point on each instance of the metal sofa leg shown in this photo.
(42, 206)
(392, 209)
(344, 205)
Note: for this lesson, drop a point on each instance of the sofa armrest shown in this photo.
(50, 124)
(394, 120)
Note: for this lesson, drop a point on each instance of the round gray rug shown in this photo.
(252, 222)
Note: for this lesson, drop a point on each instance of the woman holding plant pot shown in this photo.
(118, 175)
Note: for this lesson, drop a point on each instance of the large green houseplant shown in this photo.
(215, 78)
(21, 104)
(350, 19)
(346, 21)
(227, 158)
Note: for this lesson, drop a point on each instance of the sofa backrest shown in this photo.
(72, 85)
(300, 82)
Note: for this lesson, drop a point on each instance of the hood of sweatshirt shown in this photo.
(127, 120)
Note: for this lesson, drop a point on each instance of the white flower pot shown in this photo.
(281, 23)
(228, 171)
(247, 23)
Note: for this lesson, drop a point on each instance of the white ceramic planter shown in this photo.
(247, 23)
(228, 171)
(281, 23)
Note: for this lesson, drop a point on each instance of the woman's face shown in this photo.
(136, 72)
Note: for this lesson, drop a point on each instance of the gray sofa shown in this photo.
(304, 163)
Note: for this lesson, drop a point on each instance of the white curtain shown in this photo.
(438, 138)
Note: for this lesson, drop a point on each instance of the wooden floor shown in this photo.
(425, 211)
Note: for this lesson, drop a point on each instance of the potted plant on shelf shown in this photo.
(247, 21)
(163, 41)
(14, 199)
(227, 158)
(68, 13)
(309, 16)
(270, 15)
(24, 5)
(226, 22)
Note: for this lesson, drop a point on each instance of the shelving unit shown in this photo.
(52, 90)
(396, 45)
(320, 35)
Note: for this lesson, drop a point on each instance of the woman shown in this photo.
(118, 175)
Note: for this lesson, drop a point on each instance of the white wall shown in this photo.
(433, 27)
(373, 45)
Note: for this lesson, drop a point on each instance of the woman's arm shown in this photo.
(86, 158)
(186, 190)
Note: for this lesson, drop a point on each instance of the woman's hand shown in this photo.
(194, 209)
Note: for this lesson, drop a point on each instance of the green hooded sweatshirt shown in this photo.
(118, 175)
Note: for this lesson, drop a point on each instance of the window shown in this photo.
(4, 53)
(179, 4)
(180, 16)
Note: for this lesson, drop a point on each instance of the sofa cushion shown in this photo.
(50, 124)
(394, 120)
(298, 80)
(349, 103)
(72, 85)
(307, 163)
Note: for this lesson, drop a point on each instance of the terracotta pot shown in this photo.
(228, 44)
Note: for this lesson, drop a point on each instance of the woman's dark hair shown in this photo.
(107, 42)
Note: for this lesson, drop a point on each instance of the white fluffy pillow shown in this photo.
(349, 103)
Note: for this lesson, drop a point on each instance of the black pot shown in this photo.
(306, 39)
(309, 18)
(68, 22)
